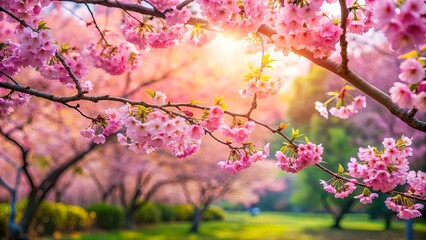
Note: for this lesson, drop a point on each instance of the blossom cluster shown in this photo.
(26, 10)
(295, 159)
(8, 103)
(306, 27)
(34, 49)
(417, 183)
(214, 119)
(241, 160)
(383, 170)
(360, 18)
(56, 70)
(262, 87)
(339, 188)
(242, 17)
(404, 207)
(343, 108)
(411, 92)
(404, 26)
(115, 60)
(237, 134)
(154, 33)
(342, 112)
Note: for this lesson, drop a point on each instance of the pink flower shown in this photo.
(411, 71)
(366, 199)
(99, 139)
(321, 108)
(346, 189)
(176, 16)
(419, 101)
(408, 213)
(216, 112)
(401, 95)
(327, 187)
(160, 98)
(88, 133)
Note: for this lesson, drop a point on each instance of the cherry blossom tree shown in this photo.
(120, 32)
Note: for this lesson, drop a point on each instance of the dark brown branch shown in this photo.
(24, 156)
(343, 42)
(96, 25)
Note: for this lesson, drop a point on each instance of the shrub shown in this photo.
(107, 216)
(214, 213)
(4, 218)
(77, 219)
(184, 212)
(168, 212)
(149, 213)
(49, 218)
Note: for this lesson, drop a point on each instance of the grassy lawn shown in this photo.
(240, 225)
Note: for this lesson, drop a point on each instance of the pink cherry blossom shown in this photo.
(401, 95)
(411, 71)
(366, 199)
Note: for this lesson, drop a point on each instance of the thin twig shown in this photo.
(96, 25)
(71, 74)
(8, 76)
(22, 22)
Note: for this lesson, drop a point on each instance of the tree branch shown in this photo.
(343, 42)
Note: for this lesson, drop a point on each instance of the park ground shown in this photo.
(285, 226)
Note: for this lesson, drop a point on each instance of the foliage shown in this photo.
(214, 213)
(49, 218)
(184, 212)
(168, 212)
(4, 218)
(107, 216)
(149, 213)
(77, 219)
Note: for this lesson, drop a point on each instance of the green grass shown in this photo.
(289, 226)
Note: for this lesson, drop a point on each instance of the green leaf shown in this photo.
(306, 139)
(412, 54)
(42, 26)
(349, 87)
(340, 169)
(64, 48)
(284, 149)
(78, 170)
(413, 86)
(195, 102)
(150, 93)
(219, 102)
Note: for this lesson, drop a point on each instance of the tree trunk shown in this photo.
(345, 209)
(14, 229)
(388, 221)
(20, 231)
(129, 219)
(198, 215)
